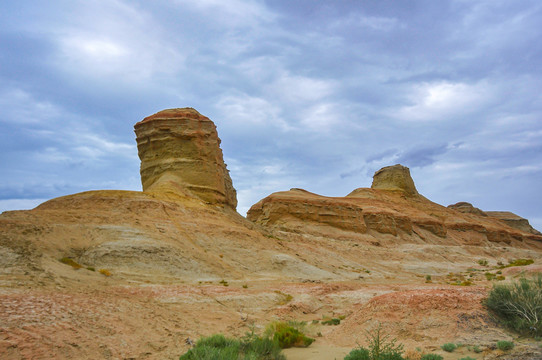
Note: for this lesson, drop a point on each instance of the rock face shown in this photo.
(378, 215)
(514, 221)
(396, 177)
(467, 208)
(180, 153)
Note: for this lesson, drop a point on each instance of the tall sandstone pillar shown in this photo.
(180, 151)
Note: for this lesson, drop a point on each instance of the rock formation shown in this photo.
(396, 177)
(373, 214)
(467, 208)
(180, 151)
(514, 221)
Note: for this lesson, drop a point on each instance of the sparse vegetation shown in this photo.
(220, 347)
(224, 282)
(71, 262)
(245, 286)
(105, 272)
(519, 262)
(505, 345)
(333, 321)
(482, 262)
(467, 358)
(476, 349)
(282, 298)
(427, 278)
(519, 305)
(380, 347)
(432, 357)
(91, 268)
(449, 347)
(288, 335)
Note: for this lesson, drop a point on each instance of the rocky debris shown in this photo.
(514, 221)
(180, 151)
(396, 177)
(467, 208)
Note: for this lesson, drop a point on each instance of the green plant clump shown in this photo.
(431, 357)
(467, 358)
(287, 336)
(519, 305)
(71, 262)
(520, 262)
(505, 345)
(380, 347)
(334, 321)
(449, 347)
(220, 347)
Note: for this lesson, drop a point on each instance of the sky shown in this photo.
(305, 94)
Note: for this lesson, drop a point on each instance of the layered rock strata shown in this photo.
(396, 177)
(514, 221)
(391, 207)
(180, 152)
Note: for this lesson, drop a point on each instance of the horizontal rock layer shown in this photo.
(180, 153)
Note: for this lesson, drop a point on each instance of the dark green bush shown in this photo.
(505, 345)
(333, 321)
(432, 357)
(449, 347)
(358, 354)
(519, 305)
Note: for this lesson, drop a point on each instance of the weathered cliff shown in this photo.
(180, 153)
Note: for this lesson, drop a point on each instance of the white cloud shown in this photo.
(20, 107)
(233, 13)
(442, 100)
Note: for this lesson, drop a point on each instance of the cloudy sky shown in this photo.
(310, 94)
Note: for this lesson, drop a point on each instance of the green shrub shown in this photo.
(380, 347)
(71, 262)
(287, 336)
(449, 347)
(333, 321)
(476, 349)
(218, 347)
(520, 262)
(467, 358)
(505, 345)
(482, 262)
(358, 354)
(519, 305)
(432, 357)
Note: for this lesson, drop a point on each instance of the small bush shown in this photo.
(519, 305)
(520, 262)
(427, 278)
(91, 268)
(224, 282)
(71, 262)
(288, 335)
(105, 272)
(380, 347)
(217, 347)
(358, 354)
(467, 358)
(449, 347)
(482, 262)
(333, 321)
(505, 345)
(282, 298)
(432, 357)
(476, 349)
